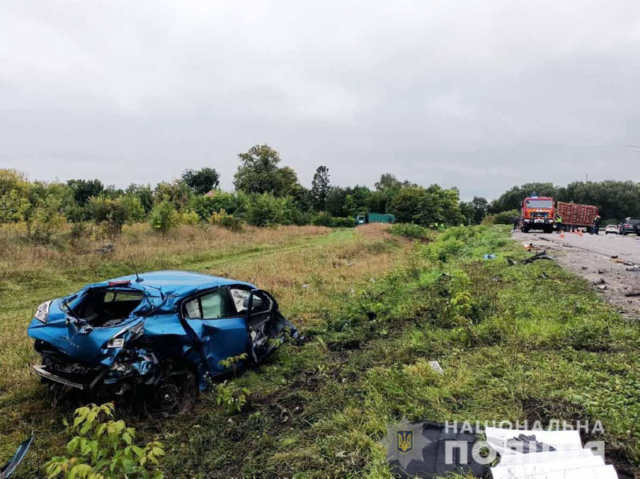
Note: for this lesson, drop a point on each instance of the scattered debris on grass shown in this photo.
(9, 468)
(424, 450)
(538, 256)
(548, 454)
(435, 365)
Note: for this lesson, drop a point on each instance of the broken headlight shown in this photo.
(117, 341)
(42, 313)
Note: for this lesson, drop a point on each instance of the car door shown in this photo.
(218, 329)
(259, 309)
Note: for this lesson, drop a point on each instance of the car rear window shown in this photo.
(121, 296)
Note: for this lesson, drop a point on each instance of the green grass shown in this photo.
(517, 342)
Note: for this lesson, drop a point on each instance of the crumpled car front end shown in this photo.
(93, 340)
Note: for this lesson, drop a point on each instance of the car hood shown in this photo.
(83, 344)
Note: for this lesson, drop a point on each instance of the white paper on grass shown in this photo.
(547, 456)
(538, 468)
(559, 440)
(598, 472)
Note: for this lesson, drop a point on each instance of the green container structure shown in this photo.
(375, 218)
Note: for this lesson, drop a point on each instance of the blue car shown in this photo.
(165, 331)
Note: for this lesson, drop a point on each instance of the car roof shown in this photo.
(177, 283)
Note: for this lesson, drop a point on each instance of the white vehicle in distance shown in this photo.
(611, 229)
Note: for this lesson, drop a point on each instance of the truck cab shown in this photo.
(538, 212)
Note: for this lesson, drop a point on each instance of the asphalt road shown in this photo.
(610, 262)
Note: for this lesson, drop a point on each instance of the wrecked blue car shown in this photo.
(165, 331)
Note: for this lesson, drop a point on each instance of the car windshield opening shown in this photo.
(107, 307)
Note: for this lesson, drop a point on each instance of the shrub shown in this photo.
(164, 217)
(343, 222)
(206, 205)
(104, 448)
(265, 209)
(133, 207)
(410, 230)
(325, 219)
(298, 217)
(43, 220)
(189, 217)
(113, 214)
(506, 217)
(322, 219)
(222, 218)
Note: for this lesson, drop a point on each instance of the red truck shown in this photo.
(575, 215)
(540, 212)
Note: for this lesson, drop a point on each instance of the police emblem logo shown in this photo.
(405, 441)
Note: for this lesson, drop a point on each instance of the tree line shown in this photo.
(266, 193)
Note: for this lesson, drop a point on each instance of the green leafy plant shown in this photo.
(232, 362)
(231, 397)
(103, 448)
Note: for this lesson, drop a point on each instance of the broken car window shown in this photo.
(192, 309)
(122, 296)
(241, 300)
(107, 307)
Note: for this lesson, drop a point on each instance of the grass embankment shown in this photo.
(517, 342)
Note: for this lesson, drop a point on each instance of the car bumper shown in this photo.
(42, 372)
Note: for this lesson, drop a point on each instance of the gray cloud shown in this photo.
(481, 95)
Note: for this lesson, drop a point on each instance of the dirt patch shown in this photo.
(610, 263)
(543, 411)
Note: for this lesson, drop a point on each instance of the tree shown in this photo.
(85, 189)
(258, 171)
(176, 192)
(113, 214)
(201, 181)
(320, 187)
(480, 209)
(335, 202)
(286, 183)
(144, 193)
(13, 196)
(406, 204)
(388, 182)
(466, 208)
(427, 207)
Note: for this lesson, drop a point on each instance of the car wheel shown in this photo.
(175, 394)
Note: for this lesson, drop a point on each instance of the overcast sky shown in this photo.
(476, 94)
